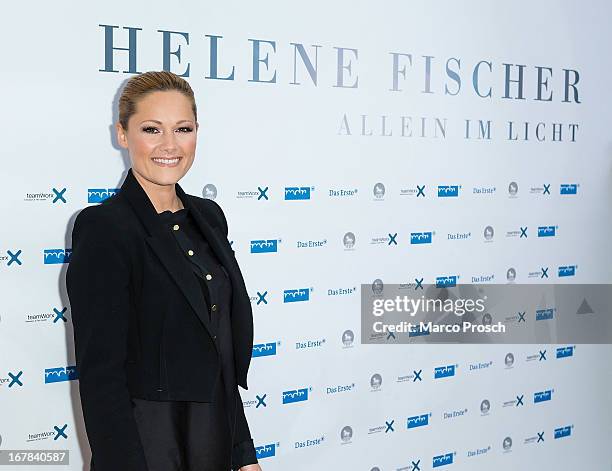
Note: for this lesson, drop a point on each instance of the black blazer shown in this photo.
(141, 325)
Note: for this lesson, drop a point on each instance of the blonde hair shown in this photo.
(141, 85)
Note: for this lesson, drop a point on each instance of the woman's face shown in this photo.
(163, 127)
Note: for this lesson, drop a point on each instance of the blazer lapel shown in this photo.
(216, 239)
(165, 247)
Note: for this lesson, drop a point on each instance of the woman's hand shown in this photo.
(251, 467)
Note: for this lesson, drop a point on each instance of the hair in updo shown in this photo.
(141, 85)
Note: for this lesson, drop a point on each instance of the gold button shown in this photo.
(190, 252)
(213, 307)
(175, 227)
(208, 276)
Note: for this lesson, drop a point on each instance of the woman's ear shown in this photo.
(121, 136)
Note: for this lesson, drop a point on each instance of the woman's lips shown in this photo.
(166, 161)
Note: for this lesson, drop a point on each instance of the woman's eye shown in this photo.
(152, 130)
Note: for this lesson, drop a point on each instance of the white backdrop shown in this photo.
(361, 123)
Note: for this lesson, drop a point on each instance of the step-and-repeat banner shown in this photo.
(349, 144)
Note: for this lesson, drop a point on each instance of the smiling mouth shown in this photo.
(166, 162)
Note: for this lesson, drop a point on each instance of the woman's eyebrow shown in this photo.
(159, 122)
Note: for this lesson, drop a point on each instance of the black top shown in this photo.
(214, 282)
(217, 290)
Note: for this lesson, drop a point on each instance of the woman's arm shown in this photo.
(244, 457)
(243, 452)
(97, 282)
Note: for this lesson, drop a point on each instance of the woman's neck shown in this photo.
(163, 197)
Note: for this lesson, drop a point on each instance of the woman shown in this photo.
(163, 327)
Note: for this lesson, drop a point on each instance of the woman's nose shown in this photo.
(169, 140)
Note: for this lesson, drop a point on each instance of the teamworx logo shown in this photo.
(58, 195)
(13, 257)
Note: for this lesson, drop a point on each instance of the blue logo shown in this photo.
(565, 352)
(57, 375)
(264, 349)
(54, 256)
(15, 379)
(569, 270)
(546, 231)
(418, 330)
(563, 432)
(444, 371)
(420, 237)
(568, 189)
(59, 195)
(296, 295)
(265, 451)
(542, 396)
(61, 432)
(418, 421)
(264, 246)
(448, 281)
(448, 191)
(297, 192)
(97, 195)
(295, 395)
(544, 314)
(14, 257)
(442, 460)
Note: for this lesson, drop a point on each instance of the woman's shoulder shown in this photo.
(108, 221)
(101, 214)
(93, 215)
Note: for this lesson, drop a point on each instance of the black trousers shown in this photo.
(185, 436)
